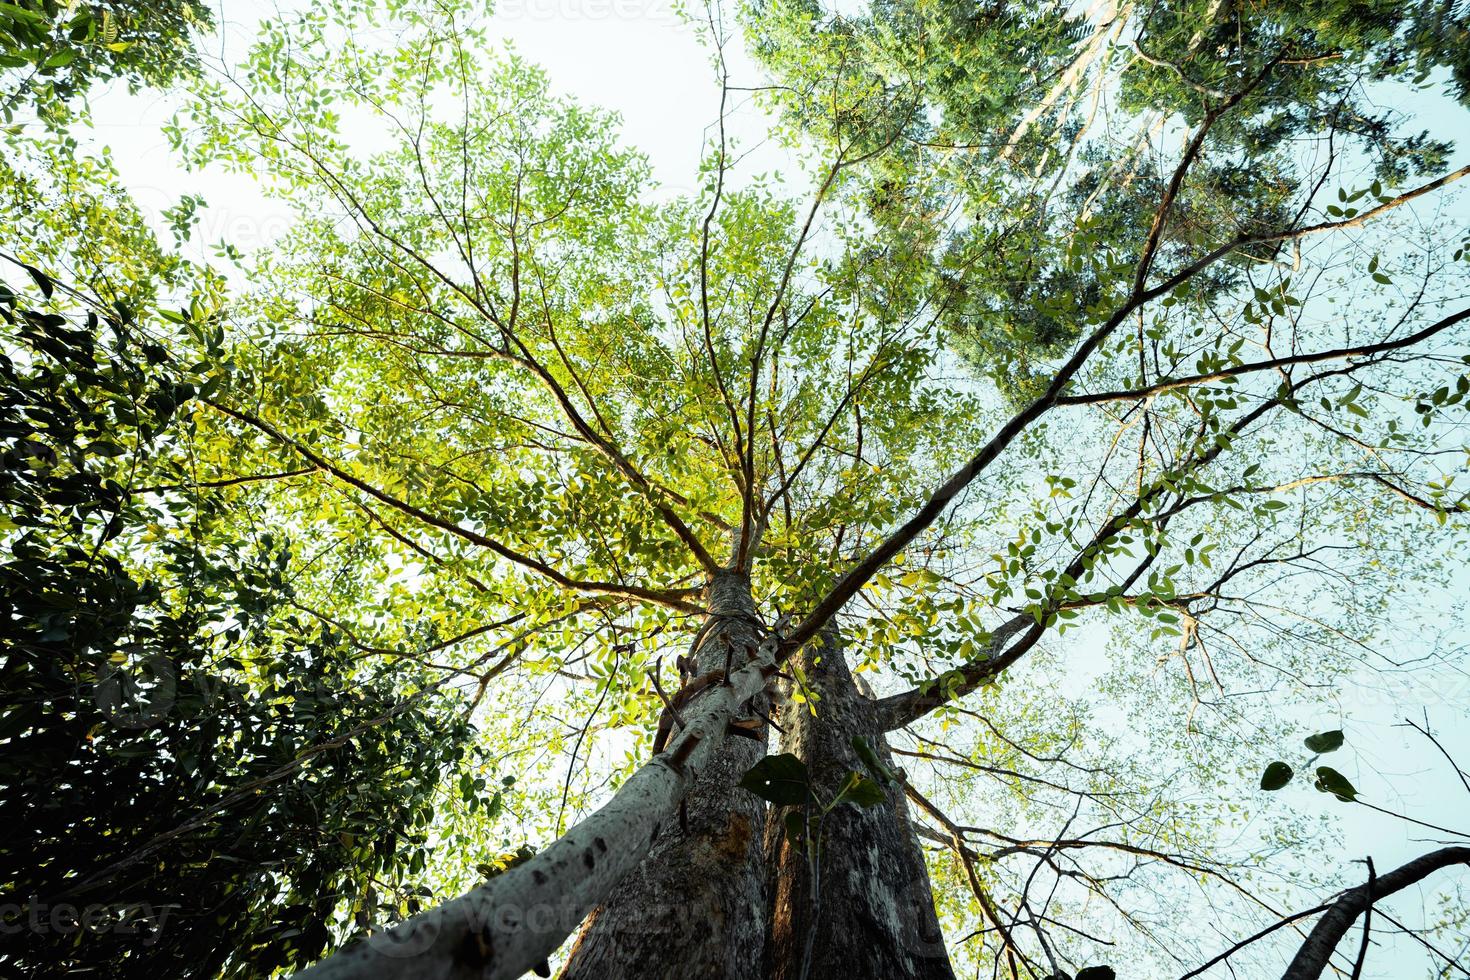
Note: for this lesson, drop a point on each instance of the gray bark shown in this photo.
(875, 912)
(514, 921)
(696, 905)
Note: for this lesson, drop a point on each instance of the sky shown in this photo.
(640, 58)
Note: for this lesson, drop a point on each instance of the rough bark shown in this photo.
(514, 921)
(696, 905)
(874, 915)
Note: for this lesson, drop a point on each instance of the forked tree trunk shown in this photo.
(696, 906)
(873, 915)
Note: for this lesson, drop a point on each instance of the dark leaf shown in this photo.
(1277, 775)
(42, 280)
(780, 779)
(861, 790)
(1324, 741)
(870, 759)
(1329, 780)
(795, 826)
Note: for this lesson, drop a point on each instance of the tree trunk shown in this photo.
(873, 915)
(696, 906)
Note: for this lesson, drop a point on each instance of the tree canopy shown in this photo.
(1091, 385)
(53, 52)
(195, 770)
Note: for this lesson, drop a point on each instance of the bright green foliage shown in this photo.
(488, 320)
(50, 51)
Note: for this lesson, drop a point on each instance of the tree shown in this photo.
(563, 422)
(194, 770)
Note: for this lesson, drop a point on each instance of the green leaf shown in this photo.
(1324, 741)
(1329, 780)
(871, 761)
(61, 58)
(1277, 775)
(861, 790)
(81, 26)
(780, 779)
(795, 825)
(16, 12)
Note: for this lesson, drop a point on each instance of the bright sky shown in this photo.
(638, 58)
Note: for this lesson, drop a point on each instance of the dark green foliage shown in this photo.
(860, 790)
(1035, 222)
(1324, 741)
(51, 51)
(1310, 62)
(210, 784)
(880, 772)
(1329, 780)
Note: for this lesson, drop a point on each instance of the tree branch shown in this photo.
(1364, 350)
(673, 598)
(1311, 959)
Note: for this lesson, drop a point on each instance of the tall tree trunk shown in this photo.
(696, 906)
(873, 914)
